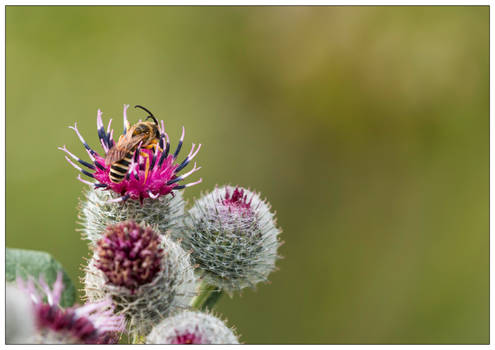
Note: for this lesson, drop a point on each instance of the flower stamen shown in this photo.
(164, 154)
(183, 176)
(82, 139)
(86, 182)
(79, 168)
(189, 157)
(179, 146)
(119, 199)
(90, 166)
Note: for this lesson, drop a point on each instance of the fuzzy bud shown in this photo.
(233, 238)
(147, 275)
(192, 327)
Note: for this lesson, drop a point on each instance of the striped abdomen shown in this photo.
(118, 170)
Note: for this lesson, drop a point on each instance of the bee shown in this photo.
(119, 157)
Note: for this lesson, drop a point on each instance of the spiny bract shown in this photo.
(97, 211)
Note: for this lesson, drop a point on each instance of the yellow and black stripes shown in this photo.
(119, 169)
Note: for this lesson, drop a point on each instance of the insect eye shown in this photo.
(140, 130)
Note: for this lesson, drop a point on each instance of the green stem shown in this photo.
(212, 299)
(137, 339)
(207, 298)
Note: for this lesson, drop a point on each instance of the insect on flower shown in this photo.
(140, 165)
(120, 155)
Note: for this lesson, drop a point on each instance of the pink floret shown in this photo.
(238, 199)
(187, 338)
(135, 186)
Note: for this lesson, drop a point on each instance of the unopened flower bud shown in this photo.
(233, 238)
(147, 275)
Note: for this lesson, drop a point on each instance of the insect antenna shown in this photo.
(150, 114)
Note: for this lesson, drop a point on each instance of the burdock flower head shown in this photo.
(192, 327)
(139, 165)
(233, 238)
(147, 275)
(93, 323)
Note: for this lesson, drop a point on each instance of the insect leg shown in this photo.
(147, 166)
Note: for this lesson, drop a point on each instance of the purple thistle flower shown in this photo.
(129, 255)
(151, 173)
(92, 323)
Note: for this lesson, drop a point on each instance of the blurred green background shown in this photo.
(367, 128)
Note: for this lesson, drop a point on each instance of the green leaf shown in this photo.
(24, 263)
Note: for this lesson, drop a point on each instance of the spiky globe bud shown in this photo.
(192, 327)
(147, 275)
(97, 211)
(233, 238)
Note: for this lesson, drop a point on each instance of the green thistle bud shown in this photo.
(233, 238)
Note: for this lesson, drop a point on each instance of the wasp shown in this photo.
(119, 157)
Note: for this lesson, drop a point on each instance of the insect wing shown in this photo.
(126, 144)
(115, 154)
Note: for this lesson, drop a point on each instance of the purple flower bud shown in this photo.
(147, 275)
(129, 255)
